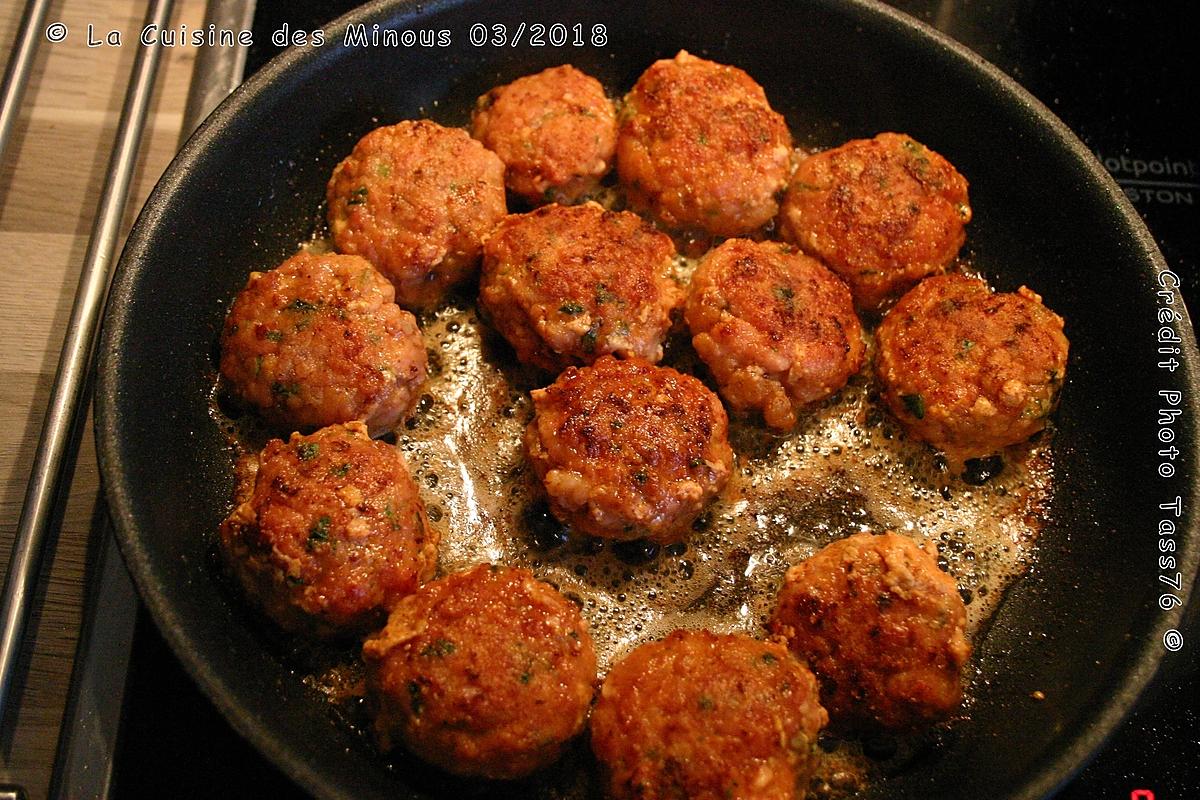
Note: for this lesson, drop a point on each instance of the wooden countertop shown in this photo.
(50, 182)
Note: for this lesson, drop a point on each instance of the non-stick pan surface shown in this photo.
(1086, 627)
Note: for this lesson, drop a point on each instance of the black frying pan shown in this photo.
(1086, 624)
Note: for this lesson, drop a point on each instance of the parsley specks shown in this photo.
(915, 404)
(319, 532)
(282, 390)
(587, 341)
(438, 649)
(301, 306)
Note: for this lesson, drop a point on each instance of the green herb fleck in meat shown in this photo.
(301, 306)
(915, 404)
(571, 308)
(319, 532)
(357, 197)
(587, 341)
(438, 649)
(284, 390)
(308, 450)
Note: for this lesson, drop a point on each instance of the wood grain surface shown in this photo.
(50, 182)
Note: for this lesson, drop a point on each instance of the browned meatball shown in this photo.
(318, 340)
(882, 627)
(700, 147)
(968, 370)
(329, 532)
(485, 673)
(707, 717)
(417, 200)
(568, 284)
(776, 328)
(555, 131)
(882, 213)
(627, 450)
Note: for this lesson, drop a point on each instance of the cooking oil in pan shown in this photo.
(846, 468)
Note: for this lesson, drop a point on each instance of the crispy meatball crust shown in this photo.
(318, 341)
(484, 673)
(882, 213)
(568, 284)
(707, 717)
(700, 147)
(627, 450)
(555, 131)
(417, 200)
(968, 370)
(883, 629)
(777, 329)
(330, 532)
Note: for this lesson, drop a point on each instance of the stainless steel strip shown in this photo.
(74, 368)
(219, 70)
(16, 75)
(83, 766)
(84, 763)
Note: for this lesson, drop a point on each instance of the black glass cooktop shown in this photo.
(1124, 78)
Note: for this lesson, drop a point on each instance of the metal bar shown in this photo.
(83, 766)
(74, 368)
(87, 745)
(218, 70)
(16, 75)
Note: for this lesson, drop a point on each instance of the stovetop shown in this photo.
(1123, 78)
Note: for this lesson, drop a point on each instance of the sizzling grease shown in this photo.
(845, 469)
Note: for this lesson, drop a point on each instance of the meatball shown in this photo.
(318, 341)
(968, 370)
(555, 131)
(329, 532)
(568, 284)
(417, 200)
(776, 328)
(700, 147)
(707, 717)
(627, 450)
(883, 213)
(485, 673)
(882, 627)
